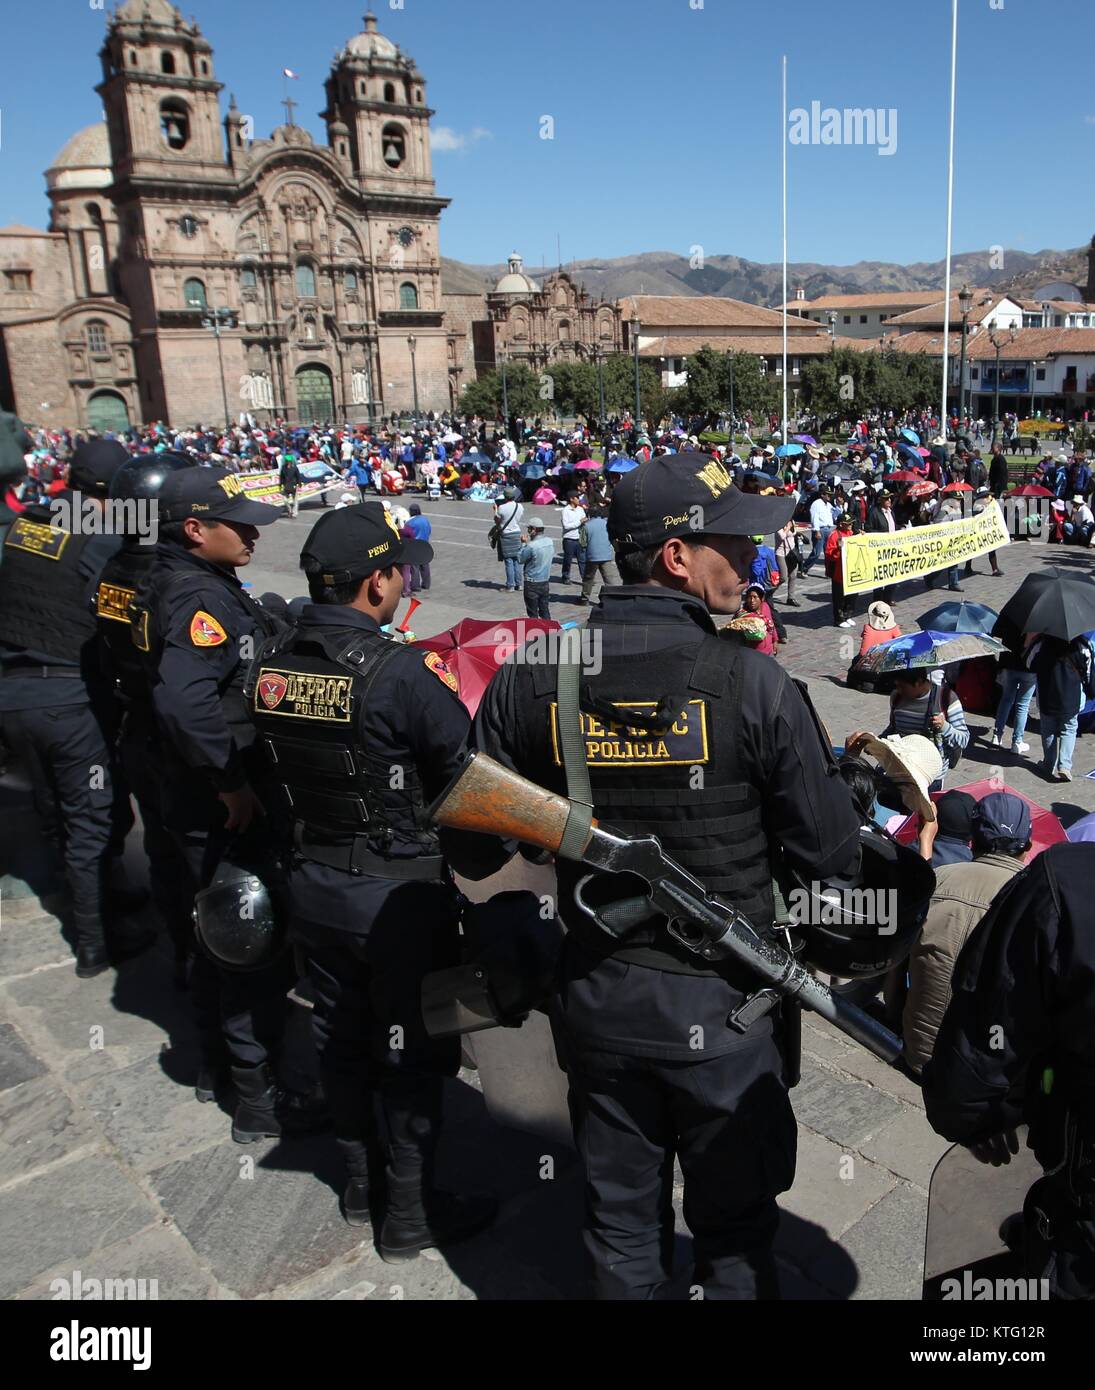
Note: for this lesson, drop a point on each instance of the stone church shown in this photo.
(192, 272)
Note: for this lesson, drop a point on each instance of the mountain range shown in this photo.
(663, 272)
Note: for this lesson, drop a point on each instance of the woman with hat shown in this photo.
(843, 605)
(881, 626)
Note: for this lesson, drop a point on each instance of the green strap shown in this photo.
(573, 748)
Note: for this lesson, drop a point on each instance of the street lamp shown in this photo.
(733, 430)
(998, 341)
(638, 394)
(599, 358)
(965, 299)
(213, 319)
(412, 343)
(832, 325)
(505, 395)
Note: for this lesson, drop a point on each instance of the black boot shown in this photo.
(265, 1112)
(91, 953)
(417, 1220)
(364, 1161)
(212, 1077)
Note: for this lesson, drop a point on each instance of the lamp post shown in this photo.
(505, 395)
(965, 299)
(599, 358)
(412, 344)
(638, 394)
(213, 319)
(733, 430)
(832, 326)
(998, 341)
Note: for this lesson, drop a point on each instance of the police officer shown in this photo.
(56, 705)
(1017, 1046)
(196, 630)
(712, 748)
(363, 731)
(135, 491)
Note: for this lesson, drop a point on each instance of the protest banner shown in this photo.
(265, 487)
(875, 560)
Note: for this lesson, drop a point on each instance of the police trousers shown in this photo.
(141, 758)
(729, 1122)
(69, 762)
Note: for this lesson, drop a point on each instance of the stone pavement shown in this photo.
(108, 1166)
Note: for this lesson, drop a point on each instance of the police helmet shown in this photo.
(240, 917)
(862, 923)
(142, 477)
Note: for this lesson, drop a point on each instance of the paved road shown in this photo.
(108, 1165)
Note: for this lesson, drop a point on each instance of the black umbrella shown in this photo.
(1058, 604)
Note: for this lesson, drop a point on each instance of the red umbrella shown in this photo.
(475, 648)
(923, 489)
(904, 475)
(1045, 828)
(1031, 490)
(958, 487)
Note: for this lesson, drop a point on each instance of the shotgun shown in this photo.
(490, 799)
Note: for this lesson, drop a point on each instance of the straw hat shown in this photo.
(912, 763)
(880, 616)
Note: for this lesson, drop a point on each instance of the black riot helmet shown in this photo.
(142, 477)
(240, 917)
(861, 923)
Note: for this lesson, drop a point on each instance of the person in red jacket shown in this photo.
(843, 606)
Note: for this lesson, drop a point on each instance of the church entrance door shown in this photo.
(315, 396)
(107, 413)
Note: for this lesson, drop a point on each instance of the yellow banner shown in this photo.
(875, 560)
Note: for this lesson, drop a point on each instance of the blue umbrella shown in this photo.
(622, 465)
(532, 471)
(910, 453)
(911, 436)
(926, 650)
(959, 617)
(789, 451)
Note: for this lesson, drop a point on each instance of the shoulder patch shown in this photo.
(435, 664)
(205, 631)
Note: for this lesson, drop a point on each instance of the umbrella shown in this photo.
(531, 472)
(543, 497)
(474, 649)
(1045, 828)
(1082, 831)
(763, 479)
(923, 489)
(1031, 490)
(957, 487)
(789, 451)
(622, 465)
(805, 439)
(1061, 605)
(924, 453)
(475, 458)
(926, 650)
(905, 476)
(586, 464)
(834, 470)
(910, 435)
(959, 617)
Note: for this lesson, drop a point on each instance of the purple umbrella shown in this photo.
(805, 439)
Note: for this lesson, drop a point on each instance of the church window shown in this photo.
(389, 91)
(248, 278)
(17, 280)
(132, 58)
(394, 146)
(351, 282)
(362, 88)
(194, 295)
(188, 225)
(564, 331)
(205, 68)
(175, 124)
(95, 332)
(94, 212)
(408, 296)
(306, 280)
(167, 62)
(418, 96)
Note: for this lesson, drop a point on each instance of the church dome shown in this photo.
(87, 149)
(370, 44)
(150, 12)
(515, 281)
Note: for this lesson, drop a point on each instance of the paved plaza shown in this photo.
(110, 1167)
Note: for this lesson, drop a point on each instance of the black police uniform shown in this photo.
(710, 747)
(1017, 1046)
(363, 732)
(196, 629)
(140, 752)
(57, 707)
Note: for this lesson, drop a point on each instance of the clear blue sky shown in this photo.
(667, 118)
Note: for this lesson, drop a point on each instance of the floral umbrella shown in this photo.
(926, 650)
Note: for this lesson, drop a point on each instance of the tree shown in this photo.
(484, 395)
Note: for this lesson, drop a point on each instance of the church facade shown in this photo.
(193, 273)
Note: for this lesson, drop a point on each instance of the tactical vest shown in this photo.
(145, 611)
(43, 594)
(122, 576)
(670, 765)
(308, 690)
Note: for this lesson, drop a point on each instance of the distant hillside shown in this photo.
(662, 272)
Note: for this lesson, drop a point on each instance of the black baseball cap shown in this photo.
(689, 494)
(94, 464)
(211, 494)
(354, 541)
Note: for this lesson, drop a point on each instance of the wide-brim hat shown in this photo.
(912, 763)
(880, 616)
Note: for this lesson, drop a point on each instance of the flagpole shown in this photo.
(783, 134)
(950, 221)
